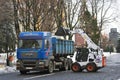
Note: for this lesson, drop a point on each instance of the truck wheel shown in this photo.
(66, 66)
(69, 64)
(23, 72)
(63, 68)
(76, 67)
(91, 67)
(50, 67)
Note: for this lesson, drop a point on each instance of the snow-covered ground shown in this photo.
(3, 67)
(7, 69)
(108, 53)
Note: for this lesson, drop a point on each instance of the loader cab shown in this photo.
(82, 54)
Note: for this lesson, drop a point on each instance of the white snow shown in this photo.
(7, 69)
(109, 54)
(3, 67)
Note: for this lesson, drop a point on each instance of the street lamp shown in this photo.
(7, 60)
(5, 43)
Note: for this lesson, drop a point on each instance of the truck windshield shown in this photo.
(30, 44)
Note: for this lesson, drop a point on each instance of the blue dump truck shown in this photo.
(40, 51)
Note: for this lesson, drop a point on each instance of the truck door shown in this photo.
(47, 46)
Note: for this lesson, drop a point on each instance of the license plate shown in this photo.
(29, 68)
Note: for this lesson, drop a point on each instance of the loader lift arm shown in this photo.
(90, 43)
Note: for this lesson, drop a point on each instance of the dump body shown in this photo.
(62, 47)
(39, 50)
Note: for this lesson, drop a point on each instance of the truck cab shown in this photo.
(35, 43)
(34, 48)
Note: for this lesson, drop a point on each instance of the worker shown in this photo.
(10, 58)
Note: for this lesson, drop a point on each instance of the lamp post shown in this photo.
(5, 41)
(7, 60)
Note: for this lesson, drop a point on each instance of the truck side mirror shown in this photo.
(46, 43)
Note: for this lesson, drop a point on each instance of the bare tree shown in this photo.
(48, 23)
(34, 15)
(15, 16)
(7, 36)
(87, 22)
(71, 14)
(100, 11)
(66, 14)
(94, 15)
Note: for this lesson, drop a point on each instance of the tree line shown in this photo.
(48, 15)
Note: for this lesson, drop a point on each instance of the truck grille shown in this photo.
(29, 55)
(29, 63)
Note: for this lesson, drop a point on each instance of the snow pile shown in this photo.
(3, 58)
(7, 69)
(107, 54)
(3, 67)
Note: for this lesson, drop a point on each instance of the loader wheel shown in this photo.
(76, 67)
(91, 67)
(50, 67)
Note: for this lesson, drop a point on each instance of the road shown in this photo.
(110, 72)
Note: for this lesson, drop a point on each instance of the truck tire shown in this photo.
(65, 66)
(91, 67)
(76, 67)
(23, 72)
(69, 64)
(50, 67)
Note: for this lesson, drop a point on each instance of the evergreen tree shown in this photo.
(90, 26)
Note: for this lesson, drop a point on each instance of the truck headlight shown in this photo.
(41, 63)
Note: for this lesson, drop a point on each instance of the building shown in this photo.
(79, 41)
(114, 36)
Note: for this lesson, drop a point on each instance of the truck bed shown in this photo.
(62, 47)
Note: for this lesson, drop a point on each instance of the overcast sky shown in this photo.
(115, 23)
